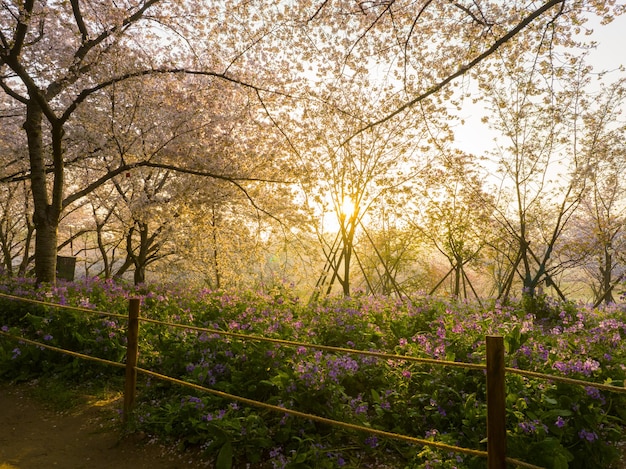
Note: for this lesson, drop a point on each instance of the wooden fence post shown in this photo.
(132, 351)
(496, 404)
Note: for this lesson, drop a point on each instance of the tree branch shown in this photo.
(147, 164)
(80, 23)
(467, 10)
(463, 69)
(84, 94)
(22, 28)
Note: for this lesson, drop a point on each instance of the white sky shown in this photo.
(611, 51)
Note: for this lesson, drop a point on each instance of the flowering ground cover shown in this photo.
(549, 423)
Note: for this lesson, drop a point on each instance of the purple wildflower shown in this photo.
(589, 436)
(371, 441)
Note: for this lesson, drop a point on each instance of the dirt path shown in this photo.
(87, 436)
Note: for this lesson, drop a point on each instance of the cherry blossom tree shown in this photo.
(54, 58)
(16, 228)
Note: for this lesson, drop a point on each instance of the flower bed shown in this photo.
(549, 423)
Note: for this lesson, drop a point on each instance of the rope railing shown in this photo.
(336, 423)
(315, 418)
(371, 353)
(562, 379)
(132, 369)
(63, 351)
(58, 306)
(328, 348)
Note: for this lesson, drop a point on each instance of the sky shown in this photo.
(611, 38)
(475, 137)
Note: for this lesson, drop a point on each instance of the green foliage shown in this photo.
(549, 423)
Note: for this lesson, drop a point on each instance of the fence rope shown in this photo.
(519, 463)
(432, 361)
(63, 351)
(295, 413)
(389, 356)
(251, 402)
(260, 404)
(337, 423)
(58, 306)
(534, 374)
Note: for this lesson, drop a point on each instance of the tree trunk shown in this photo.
(141, 259)
(45, 218)
(106, 267)
(139, 277)
(45, 252)
(215, 259)
(347, 231)
(606, 271)
(7, 260)
(458, 270)
(346, 270)
(138, 258)
(23, 267)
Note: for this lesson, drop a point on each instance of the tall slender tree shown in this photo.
(544, 164)
(596, 241)
(455, 217)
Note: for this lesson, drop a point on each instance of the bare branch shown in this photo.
(76, 70)
(370, 27)
(90, 44)
(13, 94)
(317, 12)
(22, 28)
(469, 12)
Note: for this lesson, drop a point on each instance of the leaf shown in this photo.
(225, 457)
(514, 340)
(560, 462)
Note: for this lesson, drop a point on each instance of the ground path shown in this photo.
(88, 436)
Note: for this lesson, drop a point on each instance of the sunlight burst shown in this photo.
(347, 208)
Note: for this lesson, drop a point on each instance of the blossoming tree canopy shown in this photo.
(55, 57)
